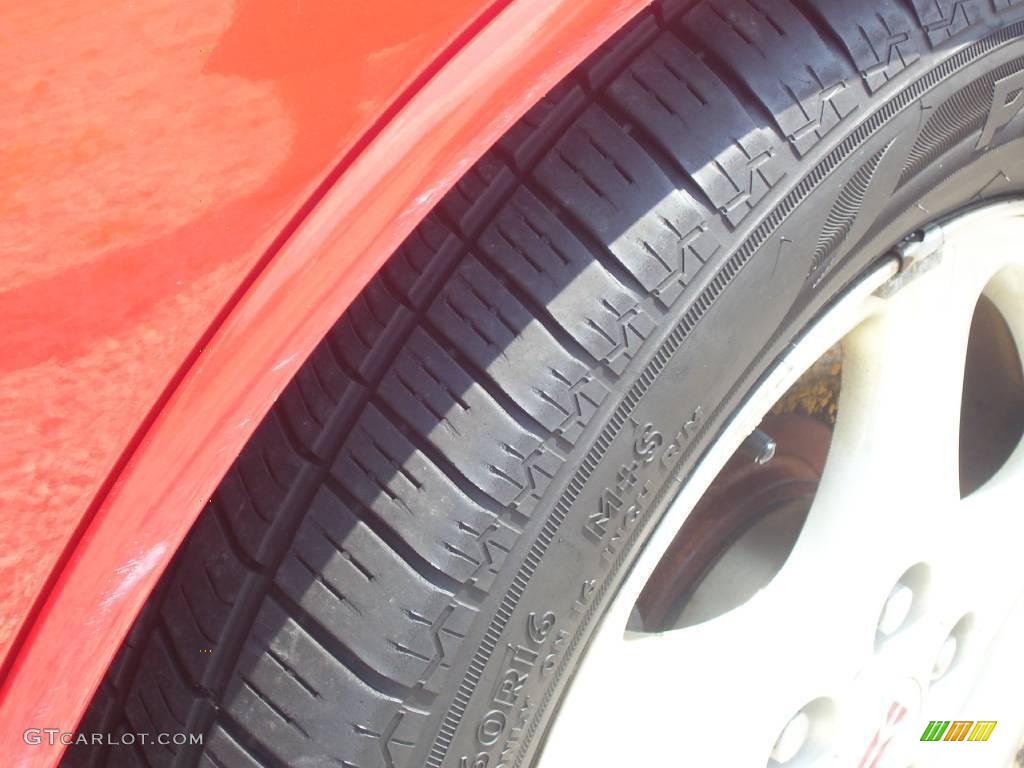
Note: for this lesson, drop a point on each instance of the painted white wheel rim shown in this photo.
(725, 693)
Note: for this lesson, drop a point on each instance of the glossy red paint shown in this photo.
(228, 294)
(152, 153)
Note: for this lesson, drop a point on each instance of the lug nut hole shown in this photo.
(951, 652)
(904, 604)
(806, 737)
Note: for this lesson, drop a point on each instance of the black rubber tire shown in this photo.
(405, 562)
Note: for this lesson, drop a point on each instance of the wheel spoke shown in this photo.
(978, 570)
(899, 409)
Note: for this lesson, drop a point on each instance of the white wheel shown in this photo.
(901, 601)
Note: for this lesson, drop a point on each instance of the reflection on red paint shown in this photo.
(150, 152)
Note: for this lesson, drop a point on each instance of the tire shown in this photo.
(405, 563)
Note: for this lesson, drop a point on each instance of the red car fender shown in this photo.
(387, 188)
